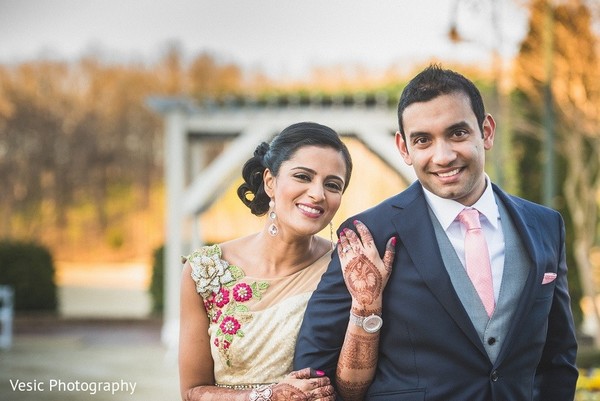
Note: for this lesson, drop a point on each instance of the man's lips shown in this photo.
(450, 173)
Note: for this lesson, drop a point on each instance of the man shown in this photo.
(441, 338)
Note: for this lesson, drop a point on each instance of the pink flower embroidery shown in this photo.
(208, 304)
(242, 292)
(229, 325)
(216, 316)
(226, 344)
(216, 342)
(222, 298)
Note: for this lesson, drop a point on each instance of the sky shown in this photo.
(283, 38)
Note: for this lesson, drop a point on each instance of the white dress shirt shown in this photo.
(447, 210)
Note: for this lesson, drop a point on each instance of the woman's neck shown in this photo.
(267, 256)
(282, 256)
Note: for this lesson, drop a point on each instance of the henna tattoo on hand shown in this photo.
(365, 311)
(352, 390)
(364, 279)
(350, 385)
(284, 391)
(388, 259)
(360, 352)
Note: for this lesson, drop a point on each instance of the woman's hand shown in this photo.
(301, 385)
(365, 272)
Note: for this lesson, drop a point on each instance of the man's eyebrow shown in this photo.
(458, 125)
(418, 133)
(455, 126)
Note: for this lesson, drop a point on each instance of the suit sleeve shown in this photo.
(556, 374)
(325, 321)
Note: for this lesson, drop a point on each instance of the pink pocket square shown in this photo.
(548, 278)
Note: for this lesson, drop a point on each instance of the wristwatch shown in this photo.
(370, 324)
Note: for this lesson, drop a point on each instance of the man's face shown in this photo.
(445, 146)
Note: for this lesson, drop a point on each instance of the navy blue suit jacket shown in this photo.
(429, 349)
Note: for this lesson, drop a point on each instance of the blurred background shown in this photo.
(86, 88)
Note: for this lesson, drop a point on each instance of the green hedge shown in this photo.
(29, 269)
(157, 283)
(588, 358)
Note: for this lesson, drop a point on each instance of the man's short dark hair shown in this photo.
(435, 81)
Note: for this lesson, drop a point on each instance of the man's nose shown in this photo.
(443, 153)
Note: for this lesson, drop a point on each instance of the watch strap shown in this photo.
(357, 320)
(372, 318)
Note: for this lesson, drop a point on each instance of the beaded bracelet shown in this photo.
(263, 393)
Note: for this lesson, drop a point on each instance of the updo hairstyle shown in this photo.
(282, 148)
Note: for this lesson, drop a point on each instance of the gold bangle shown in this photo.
(263, 393)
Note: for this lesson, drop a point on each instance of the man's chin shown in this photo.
(443, 191)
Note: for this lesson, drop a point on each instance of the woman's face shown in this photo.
(308, 189)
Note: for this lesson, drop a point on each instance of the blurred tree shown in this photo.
(171, 70)
(38, 95)
(572, 81)
(209, 79)
(81, 154)
(71, 137)
(128, 136)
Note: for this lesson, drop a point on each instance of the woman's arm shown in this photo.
(196, 378)
(297, 386)
(366, 275)
(357, 362)
(195, 359)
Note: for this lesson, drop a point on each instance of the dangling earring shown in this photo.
(331, 236)
(273, 230)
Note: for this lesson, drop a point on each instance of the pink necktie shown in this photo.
(477, 258)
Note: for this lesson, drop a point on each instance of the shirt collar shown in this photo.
(446, 210)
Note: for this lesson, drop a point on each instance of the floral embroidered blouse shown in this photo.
(254, 322)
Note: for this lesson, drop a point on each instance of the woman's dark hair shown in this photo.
(282, 148)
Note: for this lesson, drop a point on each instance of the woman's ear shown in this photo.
(269, 182)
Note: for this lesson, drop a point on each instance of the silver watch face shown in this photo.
(372, 324)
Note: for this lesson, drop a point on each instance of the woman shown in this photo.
(242, 301)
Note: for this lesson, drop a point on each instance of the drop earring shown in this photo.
(273, 230)
(331, 236)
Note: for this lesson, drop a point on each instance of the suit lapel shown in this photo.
(529, 236)
(525, 227)
(416, 232)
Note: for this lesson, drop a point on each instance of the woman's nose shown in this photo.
(316, 192)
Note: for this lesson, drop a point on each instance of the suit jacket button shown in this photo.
(494, 376)
(491, 341)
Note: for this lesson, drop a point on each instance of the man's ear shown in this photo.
(269, 181)
(488, 131)
(403, 148)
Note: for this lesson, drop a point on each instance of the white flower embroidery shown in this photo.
(209, 271)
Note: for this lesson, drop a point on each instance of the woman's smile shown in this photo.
(310, 211)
